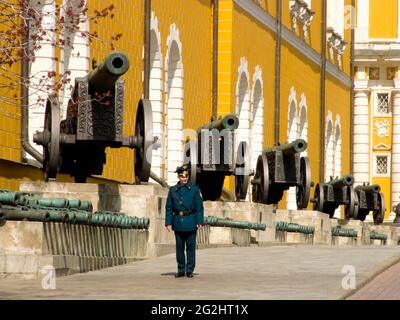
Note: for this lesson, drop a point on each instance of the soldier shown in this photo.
(184, 215)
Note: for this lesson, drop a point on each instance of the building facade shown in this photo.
(282, 66)
(377, 98)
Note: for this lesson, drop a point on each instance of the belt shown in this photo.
(183, 213)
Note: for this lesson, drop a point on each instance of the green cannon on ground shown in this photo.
(27, 206)
(344, 232)
(279, 168)
(220, 222)
(95, 121)
(369, 198)
(294, 227)
(329, 195)
(33, 201)
(211, 158)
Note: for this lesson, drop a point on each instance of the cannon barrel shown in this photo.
(375, 188)
(229, 122)
(218, 222)
(296, 146)
(346, 180)
(105, 76)
(33, 201)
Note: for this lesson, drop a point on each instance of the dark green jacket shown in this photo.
(184, 198)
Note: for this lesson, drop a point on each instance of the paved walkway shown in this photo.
(385, 286)
(277, 272)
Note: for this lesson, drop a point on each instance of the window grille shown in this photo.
(382, 103)
(381, 165)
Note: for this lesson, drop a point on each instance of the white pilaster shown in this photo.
(395, 176)
(361, 136)
(362, 31)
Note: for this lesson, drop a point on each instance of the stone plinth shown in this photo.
(357, 225)
(26, 247)
(318, 220)
(245, 211)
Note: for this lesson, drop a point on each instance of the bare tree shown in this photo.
(28, 25)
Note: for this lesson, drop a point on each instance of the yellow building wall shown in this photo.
(338, 102)
(384, 182)
(258, 50)
(314, 33)
(10, 110)
(383, 19)
(193, 19)
(304, 76)
(128, 20)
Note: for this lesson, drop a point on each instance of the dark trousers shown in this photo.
(188, 239)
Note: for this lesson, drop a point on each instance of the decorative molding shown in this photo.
(381, 147)
(382, 128)
(300, 11)
(154, 28)
(268, 21)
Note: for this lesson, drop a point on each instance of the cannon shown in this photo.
(94, 121)
(219, 222)
(396, 210)
(369, 198)
(211, 158)
(30, 200)
(279, 168)
(329, 195)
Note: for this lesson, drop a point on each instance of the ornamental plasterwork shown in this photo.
(382, 128)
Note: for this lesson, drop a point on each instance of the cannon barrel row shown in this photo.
(377, 236)
(294, 147)
(294, 227)
(105, 76)
(375, 188)
(229, 122)
(344, 232)
(32, 201)
(346, 180)
(99, 218)
(218, 222)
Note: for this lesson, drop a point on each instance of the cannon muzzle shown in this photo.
(375, 188)
(105, 76)
(346, 180)
(229, 122)
(296, 146)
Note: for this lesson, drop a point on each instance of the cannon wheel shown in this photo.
(190, 157)
(303, 190)
(319, 200)
(380, 213)
(351, 207)
(242, 178)
(51, 147)
(144, 134)
(261, 180)
(356, 206)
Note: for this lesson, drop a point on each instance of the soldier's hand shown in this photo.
(199, 226)
(169, 228)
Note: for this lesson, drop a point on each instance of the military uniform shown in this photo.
(184, 211)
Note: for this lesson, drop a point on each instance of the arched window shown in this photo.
(156, 90)
(292, 134)
(75, 56)
(174, 104)
(338, 148)
(337, 152)
(303, 121)
(243, 104)
(329, 168)
(44, 63)
(257, 117)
